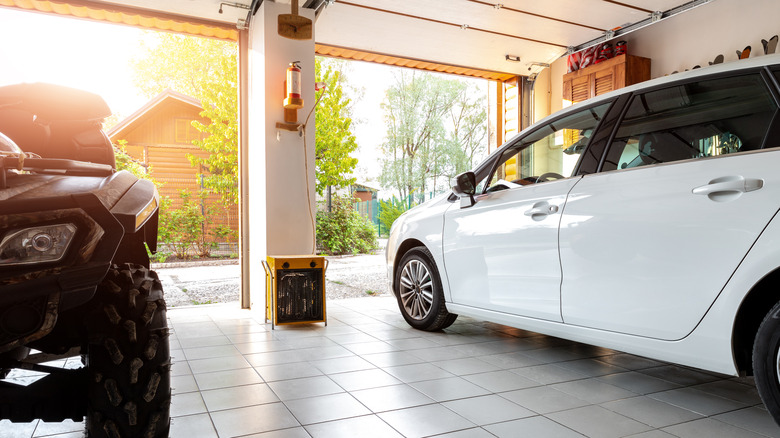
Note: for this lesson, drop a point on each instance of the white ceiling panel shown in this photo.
(537, 31)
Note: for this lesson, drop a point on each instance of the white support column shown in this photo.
(280, 198)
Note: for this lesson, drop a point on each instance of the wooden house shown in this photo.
(160, 135)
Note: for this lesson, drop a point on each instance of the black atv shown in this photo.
(74, 271)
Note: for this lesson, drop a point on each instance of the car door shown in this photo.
(649, 242)
(501, 253)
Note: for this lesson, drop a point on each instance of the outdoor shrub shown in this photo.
(343, 230)
(223, 233)
(182, 228)
(365, 235)
(389, 212)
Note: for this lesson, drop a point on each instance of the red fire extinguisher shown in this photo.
(293, 98)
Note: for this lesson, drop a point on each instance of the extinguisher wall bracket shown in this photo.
(293, 127)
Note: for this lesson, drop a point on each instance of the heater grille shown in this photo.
(295, 289)
(299, 295)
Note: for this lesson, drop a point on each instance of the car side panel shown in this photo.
(709, 345)
(643, 254)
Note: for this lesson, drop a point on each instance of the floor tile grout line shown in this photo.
(596, 377)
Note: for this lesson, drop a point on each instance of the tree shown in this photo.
(468, 135)
(182, 63)
(435, 129)
(220, 105)
(207, 70)
(335, 141)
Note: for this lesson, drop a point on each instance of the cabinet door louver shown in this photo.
(580, 89)
(604, 84)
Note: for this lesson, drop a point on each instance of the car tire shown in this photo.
(128, 357)
(766, 362)
(419, 292)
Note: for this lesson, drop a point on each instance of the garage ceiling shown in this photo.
(475, 34)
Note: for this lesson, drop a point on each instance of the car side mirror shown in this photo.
(465, 186)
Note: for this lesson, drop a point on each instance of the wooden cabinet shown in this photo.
(609, 75)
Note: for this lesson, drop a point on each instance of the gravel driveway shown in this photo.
(187, 284)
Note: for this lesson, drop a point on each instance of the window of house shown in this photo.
(185, 132)
(693, 120)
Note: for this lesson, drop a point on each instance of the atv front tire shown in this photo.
(128, 357)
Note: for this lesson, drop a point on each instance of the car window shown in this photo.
(693, 120)
(550, 152)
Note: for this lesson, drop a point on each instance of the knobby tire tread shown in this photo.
(129, 357)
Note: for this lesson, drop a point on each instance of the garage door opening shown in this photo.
(174, 122)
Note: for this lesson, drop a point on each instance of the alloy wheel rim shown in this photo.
(416, 290)
(777, 364)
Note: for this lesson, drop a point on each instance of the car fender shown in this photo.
(423, 224)
(716, 329)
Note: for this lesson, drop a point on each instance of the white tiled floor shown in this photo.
(367, 374)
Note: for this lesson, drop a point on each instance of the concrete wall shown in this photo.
(692, 38)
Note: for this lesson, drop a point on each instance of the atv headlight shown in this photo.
(47, 243)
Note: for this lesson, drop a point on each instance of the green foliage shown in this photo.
(158, 257)
(220, 102)
(390, 210)
(180, 62)
(335, 141)
(343, 230)
(365, 234)
(180, 228)
(223, 233)
(436, 127)
(206, 69)
(183, 228)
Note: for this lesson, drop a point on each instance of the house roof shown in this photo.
(364, 188)
(120, 128)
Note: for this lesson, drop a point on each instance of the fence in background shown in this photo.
(371, 209)
(217, 216)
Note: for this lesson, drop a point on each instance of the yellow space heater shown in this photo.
(295, 289)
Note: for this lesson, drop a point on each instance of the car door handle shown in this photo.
(728, 187)
(540, 210)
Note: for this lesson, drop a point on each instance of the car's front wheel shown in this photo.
(766, 362)
(419, 292)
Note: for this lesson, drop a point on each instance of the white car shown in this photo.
(643, 220)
